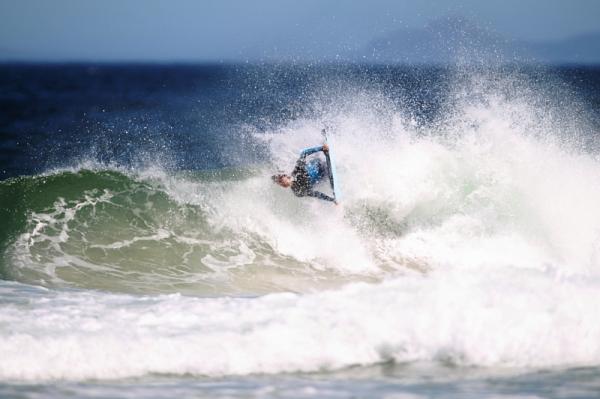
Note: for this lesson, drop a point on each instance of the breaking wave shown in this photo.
(473, 240)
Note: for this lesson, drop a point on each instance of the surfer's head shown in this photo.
(282, 179)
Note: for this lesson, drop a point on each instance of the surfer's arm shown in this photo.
(312, 150)
(320, 195)
(301, 162)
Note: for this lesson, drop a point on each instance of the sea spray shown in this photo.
(468, 239)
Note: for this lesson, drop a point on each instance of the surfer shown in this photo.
(306, 175)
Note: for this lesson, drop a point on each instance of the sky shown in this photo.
(237, 30)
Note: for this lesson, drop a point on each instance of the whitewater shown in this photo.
(470, 242)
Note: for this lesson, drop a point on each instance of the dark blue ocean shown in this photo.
(145, 252)
(52, 114)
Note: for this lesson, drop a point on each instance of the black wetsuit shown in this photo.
(303, 184)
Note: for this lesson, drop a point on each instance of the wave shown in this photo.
(105, 229)
(494, 184)
(499, 320)
(473, 240)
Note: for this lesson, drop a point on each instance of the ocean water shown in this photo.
(145, 252)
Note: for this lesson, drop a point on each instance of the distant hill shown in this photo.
(457, 39)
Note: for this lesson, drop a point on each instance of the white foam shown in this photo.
(498, 182)
(503, 318)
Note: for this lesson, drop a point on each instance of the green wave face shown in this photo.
(105, 230)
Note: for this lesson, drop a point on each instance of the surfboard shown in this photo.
(333, 178)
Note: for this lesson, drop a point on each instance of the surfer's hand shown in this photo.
(325, 148)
